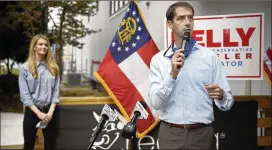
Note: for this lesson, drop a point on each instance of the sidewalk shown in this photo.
(11, 128)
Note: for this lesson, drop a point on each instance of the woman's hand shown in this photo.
(43, 117)
(50, 115)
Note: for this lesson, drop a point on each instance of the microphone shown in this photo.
(107, 114)
(103, 120)
(185, 40)
(138, 112)
(107, 111)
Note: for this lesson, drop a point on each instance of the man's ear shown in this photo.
(170, 24)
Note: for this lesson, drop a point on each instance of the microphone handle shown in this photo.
(183, 45)
(103, 120)
(99, 127)
(101, 123)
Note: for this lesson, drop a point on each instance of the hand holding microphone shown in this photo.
(179, 57)
(177, 63)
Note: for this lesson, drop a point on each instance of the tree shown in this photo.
(15, 47)
(70, 27)
(13, 35)
(32, 17)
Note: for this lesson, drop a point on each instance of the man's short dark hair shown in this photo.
(170, 13)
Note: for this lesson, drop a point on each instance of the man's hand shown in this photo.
(177, 63)
(214, 91)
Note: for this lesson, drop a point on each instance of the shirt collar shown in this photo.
(189, 48)
(40, 63)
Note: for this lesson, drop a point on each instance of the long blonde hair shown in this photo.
(49, 58)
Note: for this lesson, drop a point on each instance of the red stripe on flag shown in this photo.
(269, 53)
(116, 81)
(268, 72)
(148, 51)
(124, 91)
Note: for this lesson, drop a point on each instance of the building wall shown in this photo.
(154, 16)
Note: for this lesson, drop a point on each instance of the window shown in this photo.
(121, 4)
(111, 7)
(116, 5)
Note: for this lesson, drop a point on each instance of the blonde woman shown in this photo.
(39, 92)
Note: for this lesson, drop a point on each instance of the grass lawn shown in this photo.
(3, 71)
(12, 147)
(81, 91)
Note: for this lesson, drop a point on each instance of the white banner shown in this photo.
(236, 39)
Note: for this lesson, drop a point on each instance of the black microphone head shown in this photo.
(186, 35)
(106, 117)
(129, 130)
(143, 103)
(137, 114)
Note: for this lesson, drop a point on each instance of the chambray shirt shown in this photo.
(185, 100)
(41, 91)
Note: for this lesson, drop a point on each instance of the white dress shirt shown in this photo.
(185, 100)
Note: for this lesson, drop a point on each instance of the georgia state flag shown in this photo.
(124, 71)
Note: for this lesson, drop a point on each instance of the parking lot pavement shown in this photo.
(11, 128)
